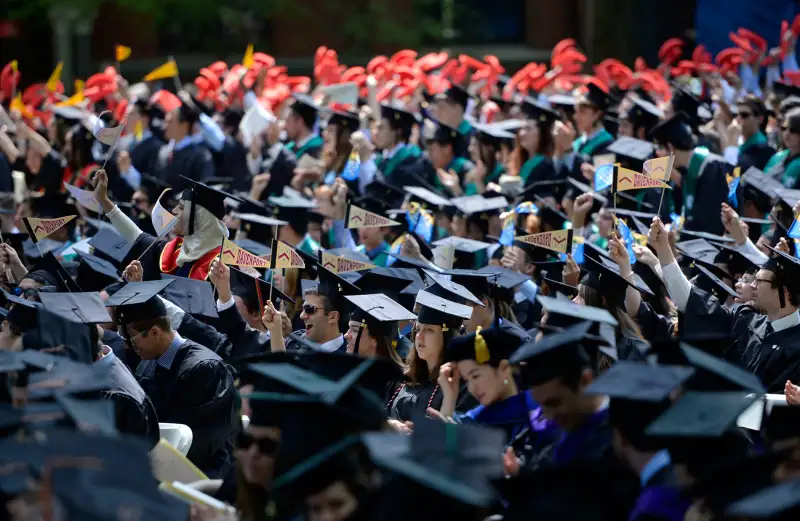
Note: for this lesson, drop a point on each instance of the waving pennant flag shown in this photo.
(625, 179)
(38, 229)
(284, 256)
(603, 177)
(52, 82)
(338, 264)
(794, 229)
(85, 197)
(394, 250)
(106, 135)
(559, 240)
(359, 218)
(233, 255)
(352, 167)
(659, 167)
(577, 251)
(75, 99)
(627, 237)
(167, 70)
(19, 106)
(163, 220)
(733, 185)
(248, 60)
(420, 222)
(122, 53)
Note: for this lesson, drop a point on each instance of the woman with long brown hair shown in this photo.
(338, 147)
(532, 160)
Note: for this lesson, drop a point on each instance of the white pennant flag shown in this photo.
(163, 220)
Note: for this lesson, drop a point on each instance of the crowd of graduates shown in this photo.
(423, 288)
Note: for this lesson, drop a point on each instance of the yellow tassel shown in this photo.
(481, 349)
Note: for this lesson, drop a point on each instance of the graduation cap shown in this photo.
(713, 373)
(256, 248)
(76, 379)
(294, 209)
(380, 314)
(673, 131)
(386, 192)
(553, 356)
(595, 97)
(493, 135)
(111, 246)
(50, 272)
(193, 296)
(711, 237)
(455, 94)
(244, 286)
(305, 107)
(720, 288)
(446, 288)
(59, 336)
(779, 502)
(702, 414)
(758, 187)
(398, 117)
(565, 312)
(438, 311)
(138, 300)
(95, 273)
(390, 281)
(478, 206)
(636, 149)
(373, 373)
(562, 101)
(201, 194)
(85, 308)
(488, 346)
(35, 251)
(23, 313)
(335, 287)
(446, 135)
(538, 111)
(643, 114)
(559, 287)
(462, 244)
(344, 118)
(477, 283)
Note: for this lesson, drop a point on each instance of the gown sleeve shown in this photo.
(244, 341)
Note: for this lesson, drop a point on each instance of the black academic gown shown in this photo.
(411, 401)
(756, 155)
(710, 190)
(245, 341)
(144, 155)
(528, 313)
(660, 499)
(197, 391)
(205, 335)
(134, 411)
(293, 345)
(193, 161)
(545, 171)
(411, 170)
(772, 356)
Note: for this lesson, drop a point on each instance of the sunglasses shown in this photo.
(310, 309)
(265, 446)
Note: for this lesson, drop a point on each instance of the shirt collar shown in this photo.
(107, 357)
(786, 322)
(659, 460)
(166, 359)
(301, 143)
(595, 133)
(183, 143)
(146, 134)
(394, 150)
(332, 345)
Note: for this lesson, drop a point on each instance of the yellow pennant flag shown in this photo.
(122, 53)
(167, 70)
(248, 61)
(78, 85)
(75, 99)
(625, 179)
(38, 229)
(14, 65)
(233, 255)
(559, 240)
(659, 167)
(138, 130)
(338, 264)
(284, 256)
(52, 83)
(359, 218)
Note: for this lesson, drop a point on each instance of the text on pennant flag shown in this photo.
(559, 240)
(360, 218)
(106, 135)
(284, 256)
(163, 220)
(659, 167)
(84, 197)
(38, 229)
(338, 264)
(233, 255)
(632, 180)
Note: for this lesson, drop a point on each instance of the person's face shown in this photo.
(765, 297)
(790, 139)
(475, 150)
(440, 155)
(585, 117)
(428, 343)
(172, 125)
(256, 449)
(141, 201)
(334, 503)
(319, 323)
(744, 288)
(183, 219)
(529, 136)
(485, 383)
(748, 120)
(559, 403)
(315, 231)
(28, 284)
(449, 113)
(292, 125)
(481, 316)
(625, 128)
(242, 308)
(33, 161)
(371, 237)
(367, 344)
(384, 137)
(146, 344)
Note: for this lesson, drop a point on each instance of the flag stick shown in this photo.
(272, 271)
(116, 141)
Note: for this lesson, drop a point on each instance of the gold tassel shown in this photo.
(481, 349)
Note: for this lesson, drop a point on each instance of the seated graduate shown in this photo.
(481, 359)
(632, 409)
(767, 343)
(186, 382)
(438, 322)
(533, 155)
(398, 160)
(199, 231)
(446, 165)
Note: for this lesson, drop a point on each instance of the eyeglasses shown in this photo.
(25, 293)
(265, 446)
(310, 309)
(757, 280)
